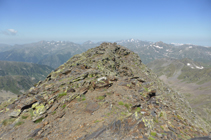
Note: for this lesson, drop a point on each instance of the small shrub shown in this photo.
(121, 103)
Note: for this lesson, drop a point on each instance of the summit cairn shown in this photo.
(104, 93)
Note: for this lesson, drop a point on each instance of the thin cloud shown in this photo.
(9, 32)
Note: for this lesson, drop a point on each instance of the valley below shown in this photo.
(190, 79)
(197, 95)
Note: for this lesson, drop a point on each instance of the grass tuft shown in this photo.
(120, 103)
(62, 94)
(39, 120)
(64, 106)
(153, 133)
(53, 112)
(24, 117)
(151, 138)
(100, 97)
(19, 123)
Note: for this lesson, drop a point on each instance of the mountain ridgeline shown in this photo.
(55, 53)
(103, 93)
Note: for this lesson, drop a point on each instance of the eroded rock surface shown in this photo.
(104, 93)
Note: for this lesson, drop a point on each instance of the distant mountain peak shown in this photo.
(88, 42)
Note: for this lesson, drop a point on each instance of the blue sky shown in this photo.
(178, 21)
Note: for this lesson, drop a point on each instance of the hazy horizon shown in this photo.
(175, 21)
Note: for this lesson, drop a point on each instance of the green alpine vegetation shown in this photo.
(17, 77)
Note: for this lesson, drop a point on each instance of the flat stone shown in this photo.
(15, 113)
(91, 107)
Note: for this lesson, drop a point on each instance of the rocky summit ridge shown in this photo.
(103, 93)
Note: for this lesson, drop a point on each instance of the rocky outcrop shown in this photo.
(104, 93)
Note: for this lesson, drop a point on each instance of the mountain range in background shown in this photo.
(55, 53)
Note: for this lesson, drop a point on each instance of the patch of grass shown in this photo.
(179, 117)
(96, 121)
(83, 97)
(120, 103)
(146, 89)
(138, 109)
(161, 114)
(161, 127)
(5, 122)
(39, 120)
(62, 94)
(19, 123)
(30, 139)
(153, 133)
(64, 106)
(179, 136)
(124, 113)
(31, 113)
(127, 106)
(151, 138)
(8, 121)
(53, 112)
(24, 117)
(109, 93)
(155, 120)
(100, 97)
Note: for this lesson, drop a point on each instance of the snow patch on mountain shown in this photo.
(158, 47)
(193, 66)
(177, 44)
(169, 50)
